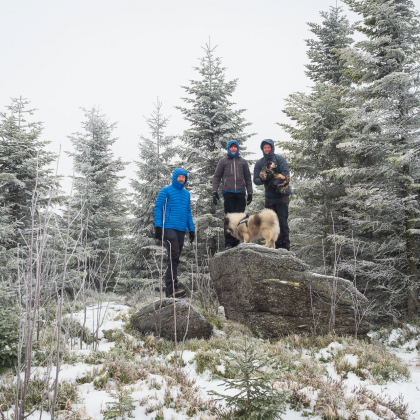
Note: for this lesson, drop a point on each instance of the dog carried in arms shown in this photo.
(270, 168)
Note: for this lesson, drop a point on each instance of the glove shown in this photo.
(215, 197)
(158, 233)
(249, 199)
(192, 236)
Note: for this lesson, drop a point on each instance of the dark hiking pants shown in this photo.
(280, 205)
(174, 241)
(233, 203)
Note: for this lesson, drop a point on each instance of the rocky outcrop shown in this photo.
(274, 293)
(157, 318)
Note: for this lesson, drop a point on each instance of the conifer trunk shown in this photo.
(327, 247)
(411, 267)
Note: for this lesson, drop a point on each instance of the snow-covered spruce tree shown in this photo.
(154, 171)
(24, 169)
(213, 122)
(316, 131)
(384, 119)
(252, 382)
(98, 210)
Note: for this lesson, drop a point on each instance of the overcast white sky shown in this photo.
(121, 55)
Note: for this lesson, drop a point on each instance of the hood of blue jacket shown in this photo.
(229, 143)
(271, 143)
(175, 173)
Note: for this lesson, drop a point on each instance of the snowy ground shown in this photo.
(95, 401)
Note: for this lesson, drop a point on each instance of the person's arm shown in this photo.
(190, 223)
(283, 169)
(217, 176)
(257, 170)
(158, 210)
(248, 179)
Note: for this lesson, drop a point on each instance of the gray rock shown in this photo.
(273, 292)
(148, 318)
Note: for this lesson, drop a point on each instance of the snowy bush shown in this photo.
(8, 328)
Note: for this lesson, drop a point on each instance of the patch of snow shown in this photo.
(218, 333)
(352, 359)
(102, 317)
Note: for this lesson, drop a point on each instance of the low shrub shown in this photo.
(73, 329)
(373, 361)
(125, 372)
(9, 326)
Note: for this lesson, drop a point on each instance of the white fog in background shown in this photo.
(122, 55)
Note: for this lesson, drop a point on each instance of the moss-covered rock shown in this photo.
(274, 292)
(159, 318)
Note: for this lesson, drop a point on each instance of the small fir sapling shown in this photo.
(122, 406)
(256, 399)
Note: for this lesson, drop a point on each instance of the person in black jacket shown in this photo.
(236, 176)
(276, 193)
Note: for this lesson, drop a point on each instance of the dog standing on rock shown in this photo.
(261, 225)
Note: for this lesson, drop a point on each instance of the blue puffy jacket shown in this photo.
(178, 205)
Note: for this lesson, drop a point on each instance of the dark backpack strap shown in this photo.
(244, 220)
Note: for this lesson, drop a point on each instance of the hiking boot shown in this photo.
(180, 294)
(283, 242)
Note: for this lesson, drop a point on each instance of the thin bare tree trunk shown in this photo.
(413, 281)
(60, 309)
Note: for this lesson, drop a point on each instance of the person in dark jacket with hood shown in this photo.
(233, 171)
(172, 218)
(275, 200)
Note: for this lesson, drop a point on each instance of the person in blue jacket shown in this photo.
(172, 218)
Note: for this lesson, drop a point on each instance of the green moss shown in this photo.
(294, 284)
(217, 321)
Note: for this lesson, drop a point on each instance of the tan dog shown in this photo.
(261, 225)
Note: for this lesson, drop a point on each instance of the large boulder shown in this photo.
(274, 293)
(159, 317)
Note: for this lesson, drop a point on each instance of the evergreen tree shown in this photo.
(25, 174)
(384, 120)
(154, 171)
(98, 207)
(213, 122)
(331, 36)
(252, 382)
(316, 132)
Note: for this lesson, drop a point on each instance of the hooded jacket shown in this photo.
(234, 171)
(282, 168)
(178, 205)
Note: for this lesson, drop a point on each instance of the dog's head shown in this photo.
(269, 166)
